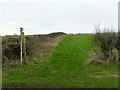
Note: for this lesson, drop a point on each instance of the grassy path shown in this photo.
(63, 68)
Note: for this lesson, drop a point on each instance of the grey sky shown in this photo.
(46, 16)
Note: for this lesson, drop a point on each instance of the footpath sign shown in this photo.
(22, 47)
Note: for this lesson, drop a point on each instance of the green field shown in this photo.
(63, 67)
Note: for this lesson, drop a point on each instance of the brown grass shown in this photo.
(35, 45)
(38, 44)
(104, 74)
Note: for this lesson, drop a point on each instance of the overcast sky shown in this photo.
(46, 16)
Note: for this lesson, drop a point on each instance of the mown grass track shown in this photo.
(62, 68)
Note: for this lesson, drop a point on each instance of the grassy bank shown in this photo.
(63, 68)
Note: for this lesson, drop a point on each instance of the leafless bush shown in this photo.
(107, 40)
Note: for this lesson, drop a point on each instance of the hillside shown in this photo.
(63, 67)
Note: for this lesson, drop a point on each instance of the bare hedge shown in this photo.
(107, 40)
(35, 45)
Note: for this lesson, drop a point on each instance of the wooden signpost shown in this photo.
(24, 49)
(23, 59)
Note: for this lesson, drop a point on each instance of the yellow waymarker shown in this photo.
(24, 48)
(23, 38)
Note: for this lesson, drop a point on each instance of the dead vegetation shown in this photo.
(99, 59)
(35, 45)
(103, 75)
(95, 59)
(108, 42)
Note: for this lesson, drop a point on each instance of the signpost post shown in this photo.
(24, 48)
(23, 59)
(21, 29)
(119, 30)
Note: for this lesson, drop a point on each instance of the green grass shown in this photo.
(62, 68)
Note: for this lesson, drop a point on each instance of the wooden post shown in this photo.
(24, 49)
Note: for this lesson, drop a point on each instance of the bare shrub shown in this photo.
(10, 48)
(107, 40)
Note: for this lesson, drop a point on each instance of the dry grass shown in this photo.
(38, 44)
(104, 74)
(35, 45)
(95, 59)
